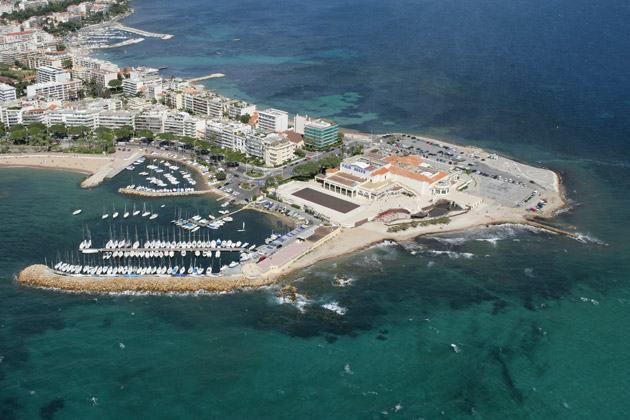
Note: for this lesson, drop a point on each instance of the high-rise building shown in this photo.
(320, 134)
(47, 74)
(273, 120)
(7, 93)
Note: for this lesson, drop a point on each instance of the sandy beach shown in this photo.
(87, 164)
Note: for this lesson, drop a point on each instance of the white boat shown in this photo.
(105, 215)
(115, 213)
(242, 230)
(217, 254)
(153, 216)
(233, 264)
(74, 213)
(135, 212)
(126, 213)
(145, 213)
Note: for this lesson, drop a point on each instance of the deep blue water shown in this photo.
(539, 319)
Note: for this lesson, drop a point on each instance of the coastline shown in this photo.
(347, 242)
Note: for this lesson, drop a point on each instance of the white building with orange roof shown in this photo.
(373, 178)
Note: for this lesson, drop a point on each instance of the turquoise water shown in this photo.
(538, 320)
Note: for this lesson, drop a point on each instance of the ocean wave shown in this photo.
(588, 238)
(298, 300)
(343, 281)
(452, 254)
(334, 306)
(529, 272)
(383, 244)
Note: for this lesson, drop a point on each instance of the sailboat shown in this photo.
(76, 212)
(242, 230)
(145, 213)
(126, 213)
(153, 215)
(115, 214)
(105, 215)
(135, 212)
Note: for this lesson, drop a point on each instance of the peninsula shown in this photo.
(339, 191)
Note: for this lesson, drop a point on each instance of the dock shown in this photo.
(122, 27)
(210, 76)
(133, 191)
(175, 250)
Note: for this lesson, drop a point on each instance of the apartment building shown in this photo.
(47, 74)
(273, 120)
(7, 93)
(65, 90)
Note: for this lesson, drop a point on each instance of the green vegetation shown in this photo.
(306, 171)
(254, 174)
(300, 153)
(404, 226)
(115, 84)
(18, 77)
(245, 118)
(62, 28)
(221, 176)
(124, 132)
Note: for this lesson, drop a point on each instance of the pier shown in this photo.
(122, 27)
(133, 191)
(147, 251)
(210, 76)
(119, 44)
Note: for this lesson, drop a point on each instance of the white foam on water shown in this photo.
(334, 306)
(452, 254)
(346, 369)
(451, 241)
(385, 243)
(300, 302)
(339, 282)
(455, 348)
(430, 264)
(588, 238)
(529, 272)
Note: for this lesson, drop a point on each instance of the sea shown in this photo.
(490, 323)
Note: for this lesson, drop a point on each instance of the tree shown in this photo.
(18, 132)
(124, 132)
(306, 171)
(99, 131)
(61, 47)
(57, 130)
(300, 153)
(330, 162)
(116, 84)
(67, 64)
(36, 126)
(35, 131)
(79, 130)
(245, 118)
(147, 134)
(221, 176)
(167, 136)
(187, 140)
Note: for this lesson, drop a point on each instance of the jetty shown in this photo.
(119, 44)
(109, 171)
(210, 76)
(142, 193)
(122, 27)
